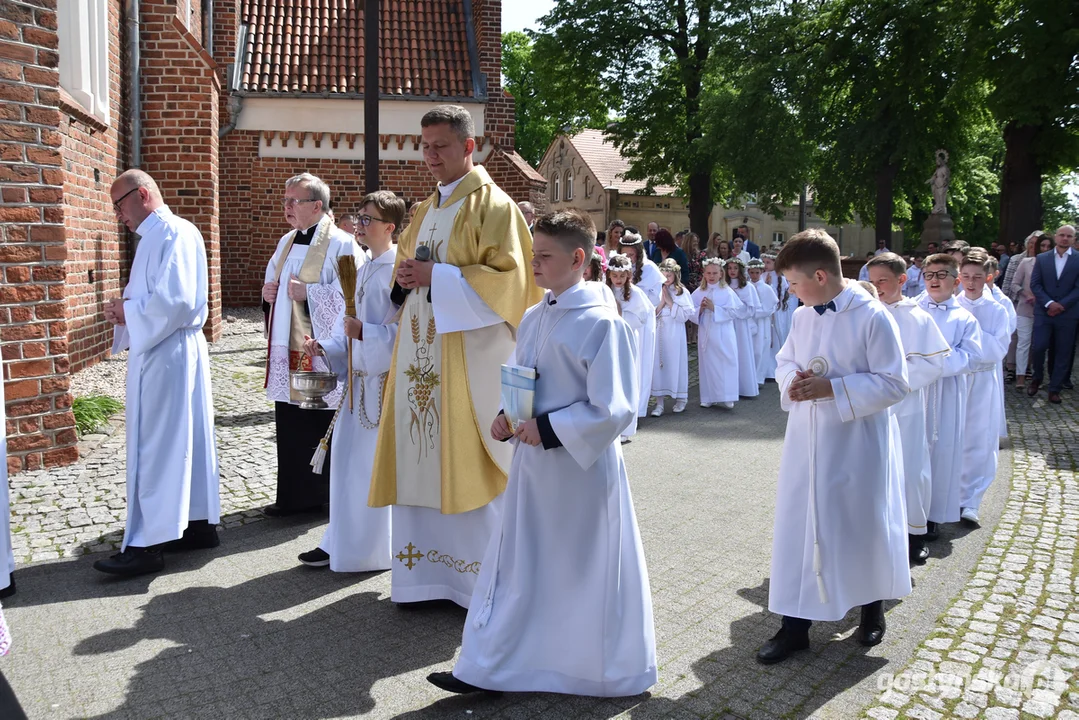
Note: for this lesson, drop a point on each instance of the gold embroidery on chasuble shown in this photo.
(411, 556)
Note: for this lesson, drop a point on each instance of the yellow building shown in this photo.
(585, 170)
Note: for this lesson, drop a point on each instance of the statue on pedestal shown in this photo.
(940, 182)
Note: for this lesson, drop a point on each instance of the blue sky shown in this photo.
(523, 14)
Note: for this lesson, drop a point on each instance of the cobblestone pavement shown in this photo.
(243, 631)
(66, 512)
(1008, 647)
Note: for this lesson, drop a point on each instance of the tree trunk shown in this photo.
(885, 206)
(1020, 184)
(700, 204)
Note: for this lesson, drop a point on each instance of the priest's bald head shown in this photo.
(449, 138)
(134, 196)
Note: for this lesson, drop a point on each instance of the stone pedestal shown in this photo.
(938, 228)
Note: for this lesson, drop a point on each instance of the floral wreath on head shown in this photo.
(737, 261)
(755, 263)
(712, 261)
(619, 263)
(768, 256)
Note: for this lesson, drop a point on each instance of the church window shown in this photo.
(568, 190)
(777, 238)
(83, 30)
(556, 185)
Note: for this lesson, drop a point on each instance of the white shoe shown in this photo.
(625, 439)
(658, 409)
(728, 405)
(970, 516)
(679, 405)
(705, 405)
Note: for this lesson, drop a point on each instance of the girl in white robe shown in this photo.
(717, 308)
(596, 271)
(763, 340)
(358, 537)
(947, 402)
(745, 327)
(646, 274)
(670, 369)
(640, 315)
(562, 602)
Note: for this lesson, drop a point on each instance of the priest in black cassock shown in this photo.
(301, 298)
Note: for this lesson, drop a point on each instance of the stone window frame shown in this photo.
(556, 187)
(567, 188)
(778, 238)
(83, 33)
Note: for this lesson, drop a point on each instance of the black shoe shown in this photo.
(315, 558)
(932, 531)
(917, 550)
(9, 590)
(871, 629)
(133, 561)
(199, 535)
(276, 510)
(780, 647)
(448, 682)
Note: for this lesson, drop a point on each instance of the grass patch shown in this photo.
(93, 411)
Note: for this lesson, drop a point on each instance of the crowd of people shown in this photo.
(894, 388)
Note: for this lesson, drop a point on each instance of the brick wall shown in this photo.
(98, 253)
(33, 328)
(180, 113)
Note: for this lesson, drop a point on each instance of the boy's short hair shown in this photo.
(944, 259)
(956, 246)
(572, 228)
(976, 256)
(992, 265)
(389, 206)
(870, 288)
(890, 261)
(809, 251)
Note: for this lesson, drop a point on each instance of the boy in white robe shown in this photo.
(670, 367)
(717, 308)
(985, 403)
(745, 327)
(925, 350)
(947, 404)
(640, 315)
(764, 339)
(173, 497)
(840, 536)
(1013, 322)
(562, 603)
(357, 538)
(915, 284)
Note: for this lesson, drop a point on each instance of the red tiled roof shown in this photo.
(607, 164)
(317, 46)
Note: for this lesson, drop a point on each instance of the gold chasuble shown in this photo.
(443, 390)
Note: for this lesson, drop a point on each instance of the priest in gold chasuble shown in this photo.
(436, 462)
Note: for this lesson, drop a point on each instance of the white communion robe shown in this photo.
(946, 408)
(763, 341)
(651, 282)
(1013, 323)
(7, 554)
(925, 349)
(840, 484)
(172, 472)
(324, 301)
(985, 404)
(717, 343)
(563, 603)
(640, 314)
(745, 328)
(670, 368)
(608, 295)
(357, 538)
(783, 315)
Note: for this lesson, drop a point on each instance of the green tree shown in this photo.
(1060, 200)
(649, 57)
(549, 100)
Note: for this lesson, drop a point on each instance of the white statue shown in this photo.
(939, 183)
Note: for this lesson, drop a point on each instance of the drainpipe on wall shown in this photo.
(208, 26)
(236, 105)
(134, 105)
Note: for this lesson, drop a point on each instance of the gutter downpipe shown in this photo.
(134, 110)
(208, 26)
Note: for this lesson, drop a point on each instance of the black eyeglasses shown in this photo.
(365, 220)
(117, 203)
(939, 275)
(289, 202)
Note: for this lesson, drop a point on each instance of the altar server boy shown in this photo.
(562, 602)
(985, 404)
(357, 538)
(947, 407)
(925, 349)
(840, 536)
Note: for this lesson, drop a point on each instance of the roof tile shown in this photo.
(317, 46)
(608, 165)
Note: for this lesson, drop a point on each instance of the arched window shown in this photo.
(568, 192)
(556, 187)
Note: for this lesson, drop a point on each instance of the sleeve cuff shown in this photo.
(547, 434)
(842, 400)
(398, 295)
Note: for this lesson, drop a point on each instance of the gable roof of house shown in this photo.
(608, 165)
(428, 48)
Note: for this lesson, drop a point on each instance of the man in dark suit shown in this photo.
(752, 248)
(1055, 284)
